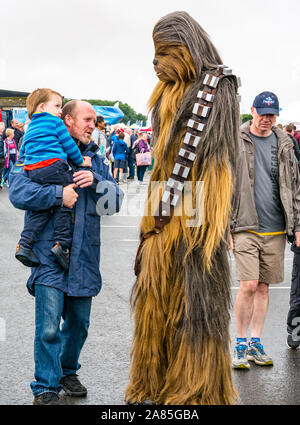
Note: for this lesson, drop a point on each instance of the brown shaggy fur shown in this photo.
(181, 298)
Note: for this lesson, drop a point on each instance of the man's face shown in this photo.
(82, 123)
(262, 123)
(14, 123)
(101, 125)
(54, 105)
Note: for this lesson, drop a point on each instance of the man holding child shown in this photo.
(61, 293)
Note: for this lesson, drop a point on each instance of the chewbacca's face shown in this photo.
(173, 62)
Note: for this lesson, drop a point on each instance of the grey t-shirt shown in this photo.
(266, 187)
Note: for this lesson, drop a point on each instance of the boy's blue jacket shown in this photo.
(83, 278)
(120, 149)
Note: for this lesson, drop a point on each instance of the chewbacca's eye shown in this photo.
(160, 53)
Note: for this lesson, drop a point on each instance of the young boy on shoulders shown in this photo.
(47, 147)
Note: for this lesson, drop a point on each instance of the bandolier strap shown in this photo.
(186, 155)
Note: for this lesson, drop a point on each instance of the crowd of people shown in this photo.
(118, 143)
(121, 144)
(182, 297)
(10, 139)
(119, 147)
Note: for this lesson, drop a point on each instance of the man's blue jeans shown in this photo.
(131, 166)
(57, 349)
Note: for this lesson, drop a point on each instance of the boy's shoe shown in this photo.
(257, 354)
(48, 397)
(72, 386)
(291, 343)
(26, 256)
(240, 357)
(62, 255)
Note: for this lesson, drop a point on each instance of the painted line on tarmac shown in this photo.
(232, 287)
(272, 287)
(129, 240)
(107, 225)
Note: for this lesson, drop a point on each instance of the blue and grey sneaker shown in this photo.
(240, 357)
(257, 354)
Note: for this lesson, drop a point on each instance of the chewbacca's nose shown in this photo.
(155, 61)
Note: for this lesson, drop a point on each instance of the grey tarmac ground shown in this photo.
(105, 356)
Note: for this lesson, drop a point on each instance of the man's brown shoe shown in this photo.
(48, 397)
(72, 386)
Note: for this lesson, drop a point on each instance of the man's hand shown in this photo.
(297, 236)
(83, 178)
(87, 161)
(69, 195)
(230, 242)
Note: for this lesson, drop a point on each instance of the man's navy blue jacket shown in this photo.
(83, 278)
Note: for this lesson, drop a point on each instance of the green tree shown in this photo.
(246, 117)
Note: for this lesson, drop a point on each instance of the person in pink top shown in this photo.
(10, 155)
(143, 146)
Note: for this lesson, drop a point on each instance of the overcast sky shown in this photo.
(103, 49)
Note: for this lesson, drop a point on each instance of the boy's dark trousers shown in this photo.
(293, 318)
(58, 173)
(1, 167)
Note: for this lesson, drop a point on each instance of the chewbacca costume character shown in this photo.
(181, 298)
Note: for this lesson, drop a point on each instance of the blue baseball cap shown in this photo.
(266, 103)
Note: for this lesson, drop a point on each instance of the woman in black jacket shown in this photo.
(289, 131)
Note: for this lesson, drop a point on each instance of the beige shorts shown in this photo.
(259, 257)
